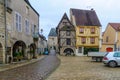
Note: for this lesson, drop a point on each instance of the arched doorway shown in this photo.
(1, 53)
(109, 49)
(68, 51)
(19, 50)
(32, 50)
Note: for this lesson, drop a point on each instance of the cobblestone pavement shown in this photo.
(82, 68)
(35, 71)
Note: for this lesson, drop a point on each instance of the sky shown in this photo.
(51, 11)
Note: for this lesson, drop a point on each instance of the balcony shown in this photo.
(35, 35)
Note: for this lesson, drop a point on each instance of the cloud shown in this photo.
(51, 11)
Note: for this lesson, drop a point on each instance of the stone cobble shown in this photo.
(82, 68)
(36, 71)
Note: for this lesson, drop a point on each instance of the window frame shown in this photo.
(83, 40)
(68, 33)
(27, 10)
(18, 22)
(92, 40)
(82, 30)
(92, 30)
(27, 26)
(116, 54)
(107, 38)
(68, 41)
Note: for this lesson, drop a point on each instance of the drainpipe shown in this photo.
(5, 9)
(115, 43)
(100, 39)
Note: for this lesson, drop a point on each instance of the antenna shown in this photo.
(89, 3)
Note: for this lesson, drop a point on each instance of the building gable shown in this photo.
(115, 26)
(64, 22)
(27, 1)
(107, 35)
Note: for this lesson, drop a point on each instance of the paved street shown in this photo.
(35, 71)
(81, 68)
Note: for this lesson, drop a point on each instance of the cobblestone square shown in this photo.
(82, 68)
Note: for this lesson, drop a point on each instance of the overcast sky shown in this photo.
(51, 11)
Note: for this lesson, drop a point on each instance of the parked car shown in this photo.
(46, 53)
(112, 59)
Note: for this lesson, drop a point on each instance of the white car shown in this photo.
(112, 59)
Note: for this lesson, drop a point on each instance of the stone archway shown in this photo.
(68, 51)
(32, 50)
(19, 50)
(1, 53)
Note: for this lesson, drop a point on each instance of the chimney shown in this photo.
(92, 9)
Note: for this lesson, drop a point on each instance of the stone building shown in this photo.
(22, 26)
(53, 40)
(66, 36)
(42, 44)
(2, 31)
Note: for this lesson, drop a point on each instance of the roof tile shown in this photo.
(85, 17)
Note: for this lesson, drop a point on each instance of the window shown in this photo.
(52, 39)
(68, 27)
(81, 30)
(92, 30)
(67, 33)
(64, 23)
(8, 3)
(68, 41)
(27, 26)
(33, 29)
(18, 22)
(118, 48)
(27, 10)
(107, 39)
(83, 39)
(117, 54)
(80, 50)
(92, 40)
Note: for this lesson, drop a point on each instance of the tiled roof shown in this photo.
(42, 36)
(53, 32)
(64, 17)
(116, 26)
(85, 17)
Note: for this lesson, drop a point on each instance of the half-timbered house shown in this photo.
(66, 36)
